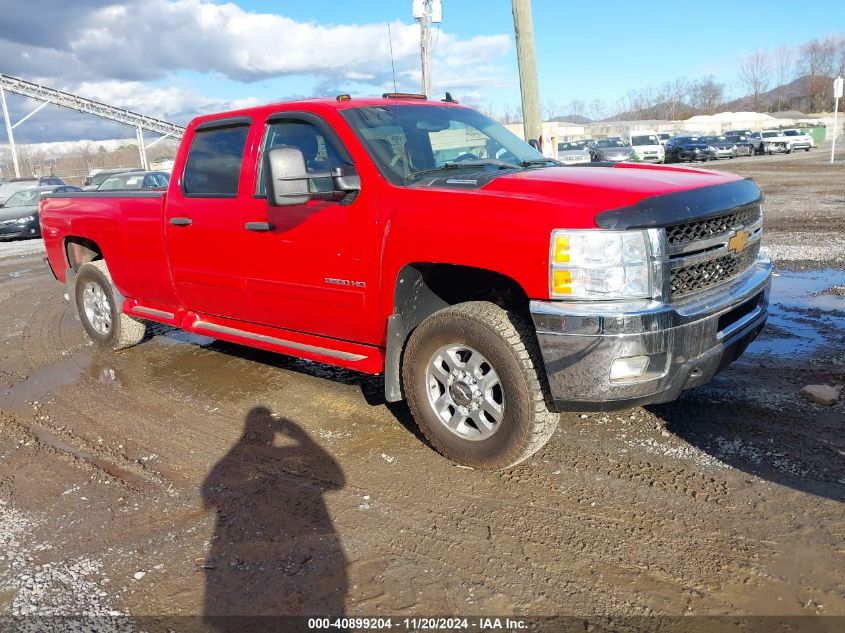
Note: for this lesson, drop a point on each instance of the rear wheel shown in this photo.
(99, 312)
(471, 375)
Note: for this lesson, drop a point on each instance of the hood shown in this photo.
(597, 189)
(13, 213)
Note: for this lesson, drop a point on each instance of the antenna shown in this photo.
(392, 65)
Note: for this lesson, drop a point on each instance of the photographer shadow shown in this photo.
(274, 551)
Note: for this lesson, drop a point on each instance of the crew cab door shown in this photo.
(312, 267)
(203, 228)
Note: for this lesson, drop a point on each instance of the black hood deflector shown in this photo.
(682, 206)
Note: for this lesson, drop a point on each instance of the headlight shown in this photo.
(597, 264)
(26, 220)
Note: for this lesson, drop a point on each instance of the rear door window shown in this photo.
(213, 166)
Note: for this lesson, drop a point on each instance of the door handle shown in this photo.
(181, 221)
(259, 226)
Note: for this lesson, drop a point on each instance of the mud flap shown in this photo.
(70, 290)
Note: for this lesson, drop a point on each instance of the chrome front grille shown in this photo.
(700, 255)
(710, 227)
(687, 280)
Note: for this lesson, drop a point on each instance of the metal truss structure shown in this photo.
(51, 96)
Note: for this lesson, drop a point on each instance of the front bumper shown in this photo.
(694, 154)
(11, 230)
(688, 343)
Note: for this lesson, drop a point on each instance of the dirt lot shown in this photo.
(188, 476)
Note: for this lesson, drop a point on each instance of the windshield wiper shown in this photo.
(482, 162)
(540, 161)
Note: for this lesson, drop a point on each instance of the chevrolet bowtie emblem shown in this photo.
(738, 242)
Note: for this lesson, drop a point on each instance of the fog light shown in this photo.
(628, 368)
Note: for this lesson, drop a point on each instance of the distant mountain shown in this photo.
(577, 119)
(792, 96)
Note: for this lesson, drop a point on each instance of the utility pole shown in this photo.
(837, 94)
(9, 133)
(523, 27)
(426, 12)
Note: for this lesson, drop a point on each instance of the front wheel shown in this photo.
(472, 376)
(98, 310)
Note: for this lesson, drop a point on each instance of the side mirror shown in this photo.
(534, 143)
(285, 177)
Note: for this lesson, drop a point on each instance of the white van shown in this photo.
(646, 145)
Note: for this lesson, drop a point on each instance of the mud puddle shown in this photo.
(807, 312)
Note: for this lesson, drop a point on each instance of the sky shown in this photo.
(175, 59)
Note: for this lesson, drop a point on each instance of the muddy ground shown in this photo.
(188, 476)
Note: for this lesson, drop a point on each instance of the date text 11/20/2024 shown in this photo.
(418, 624)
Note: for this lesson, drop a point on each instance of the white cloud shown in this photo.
(150, 39)
(107, 49)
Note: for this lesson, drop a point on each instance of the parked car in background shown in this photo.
(799, 139)
(745, 133)
(744, 147)
(611, 150)
(646, 145)
(770, 142)
(19, 214)
(17, 184)
(720, 146)
(574, 152)
(663, 137)
(686, 149)
(97, 176)
(135, 180)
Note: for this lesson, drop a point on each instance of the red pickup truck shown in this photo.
(491, 286)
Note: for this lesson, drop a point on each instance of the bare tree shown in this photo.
(550, 110)
(673, 97)
(754, 74)
(706, 95)
(597, 109)
(783, 58)
(820, 60)
(511, 113)
(576, 107)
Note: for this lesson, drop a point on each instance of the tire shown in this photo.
(806, 149)
(507, 346)
(101, 317)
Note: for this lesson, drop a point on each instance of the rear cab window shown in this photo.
(213, 165)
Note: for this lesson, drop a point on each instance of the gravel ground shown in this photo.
(191, 477)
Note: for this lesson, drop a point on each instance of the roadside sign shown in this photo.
(837, 87)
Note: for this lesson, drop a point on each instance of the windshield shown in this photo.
(25, 198)
(770, 134)
(649, 139)
(689, 140)
(404, 140)
(791, 133)
(99, 178)
(572, 146)
(610, 143)
(8, 188)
